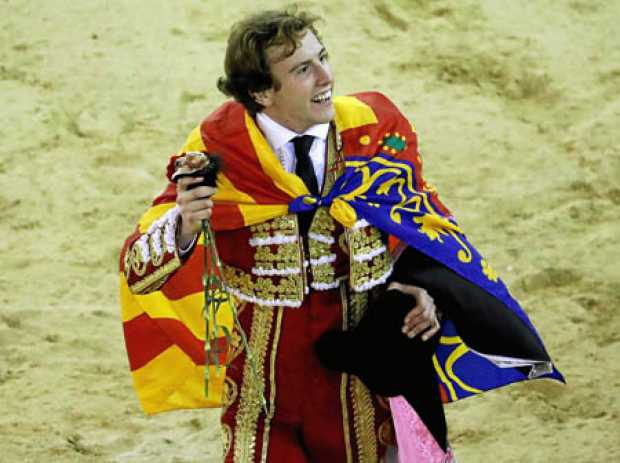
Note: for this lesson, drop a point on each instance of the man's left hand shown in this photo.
(423, 317)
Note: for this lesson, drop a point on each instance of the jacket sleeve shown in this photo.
(150, 255)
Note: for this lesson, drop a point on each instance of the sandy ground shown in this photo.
(517, 106)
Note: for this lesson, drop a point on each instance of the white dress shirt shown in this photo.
(280, 139)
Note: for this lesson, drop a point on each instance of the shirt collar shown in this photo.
(277, 135)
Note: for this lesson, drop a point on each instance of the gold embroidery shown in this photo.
(364, 240)
(285, 255)
(157, 255)
(272, 384)
(226, 439)
(369, 266)
(363, 411)
(287, 288)
(249, 402)
(344, 380)
(322, 255)
(229, 394)
(344, 402)
(386, 433)
(363, 421)
(335, 159)
(323, 223)
(156, 278)
(286, 225)
(236, 346)
(276, 255)
(488, 271)
(371, 271)
(358, 303)
(135, 261)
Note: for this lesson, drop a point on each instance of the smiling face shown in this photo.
(304, 96)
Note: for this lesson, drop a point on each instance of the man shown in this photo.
(300, 255)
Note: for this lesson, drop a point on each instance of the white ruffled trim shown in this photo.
(325, 286)
(321, 238)
(256, 300)
(370, 255)
(275, 239)
(328, 259)
(275, 271)
(372, 283)
(171, 216)
(144, 247)
(168, 222)
(170, 233)
(156, 240)
(359, 224)
(189, 247)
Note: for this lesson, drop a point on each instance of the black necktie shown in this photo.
(305, 169)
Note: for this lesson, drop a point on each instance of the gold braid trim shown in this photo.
(369, 261)
(265, 291)
(358, 304)
(226, 439)
(363, 422)
(229, 394)
(272, 384)
(344, 379)
(249, 409)
(157, 278)
(322, 254)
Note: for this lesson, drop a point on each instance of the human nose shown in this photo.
(323, 73)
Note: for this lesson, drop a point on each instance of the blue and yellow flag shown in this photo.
(383, 191)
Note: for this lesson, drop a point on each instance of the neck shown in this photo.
(290, 125)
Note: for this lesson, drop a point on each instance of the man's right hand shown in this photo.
(194, 206)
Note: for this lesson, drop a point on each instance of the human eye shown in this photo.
(302, 69)
(324, 56)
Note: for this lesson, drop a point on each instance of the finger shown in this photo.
(201, 192)
(431, 332)
(197, 205)
(413, 313)
(184, 182)
(190, 196)
(407, 289)
(197, 216)
(418, 328)
(423, 318)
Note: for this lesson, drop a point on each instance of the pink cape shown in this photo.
(415, 443)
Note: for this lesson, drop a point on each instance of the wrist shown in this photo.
(185, 238)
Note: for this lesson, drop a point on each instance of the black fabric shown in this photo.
(387, 361)
(484, 323)
(305, 170)
(391, 364)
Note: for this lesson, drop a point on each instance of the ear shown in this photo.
(263, 98)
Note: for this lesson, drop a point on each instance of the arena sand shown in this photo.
(517, 108)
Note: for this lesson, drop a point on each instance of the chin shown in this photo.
(326, 115)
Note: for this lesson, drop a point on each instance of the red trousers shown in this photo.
(314, 415)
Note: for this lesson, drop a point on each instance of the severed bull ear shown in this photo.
(198, 164)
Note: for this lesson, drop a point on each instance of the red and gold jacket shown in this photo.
(257, 237)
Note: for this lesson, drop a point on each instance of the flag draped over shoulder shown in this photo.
(382, 183)
(382, 191)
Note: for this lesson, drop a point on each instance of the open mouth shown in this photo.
(323, 98)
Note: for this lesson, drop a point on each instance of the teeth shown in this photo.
(323, 97)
